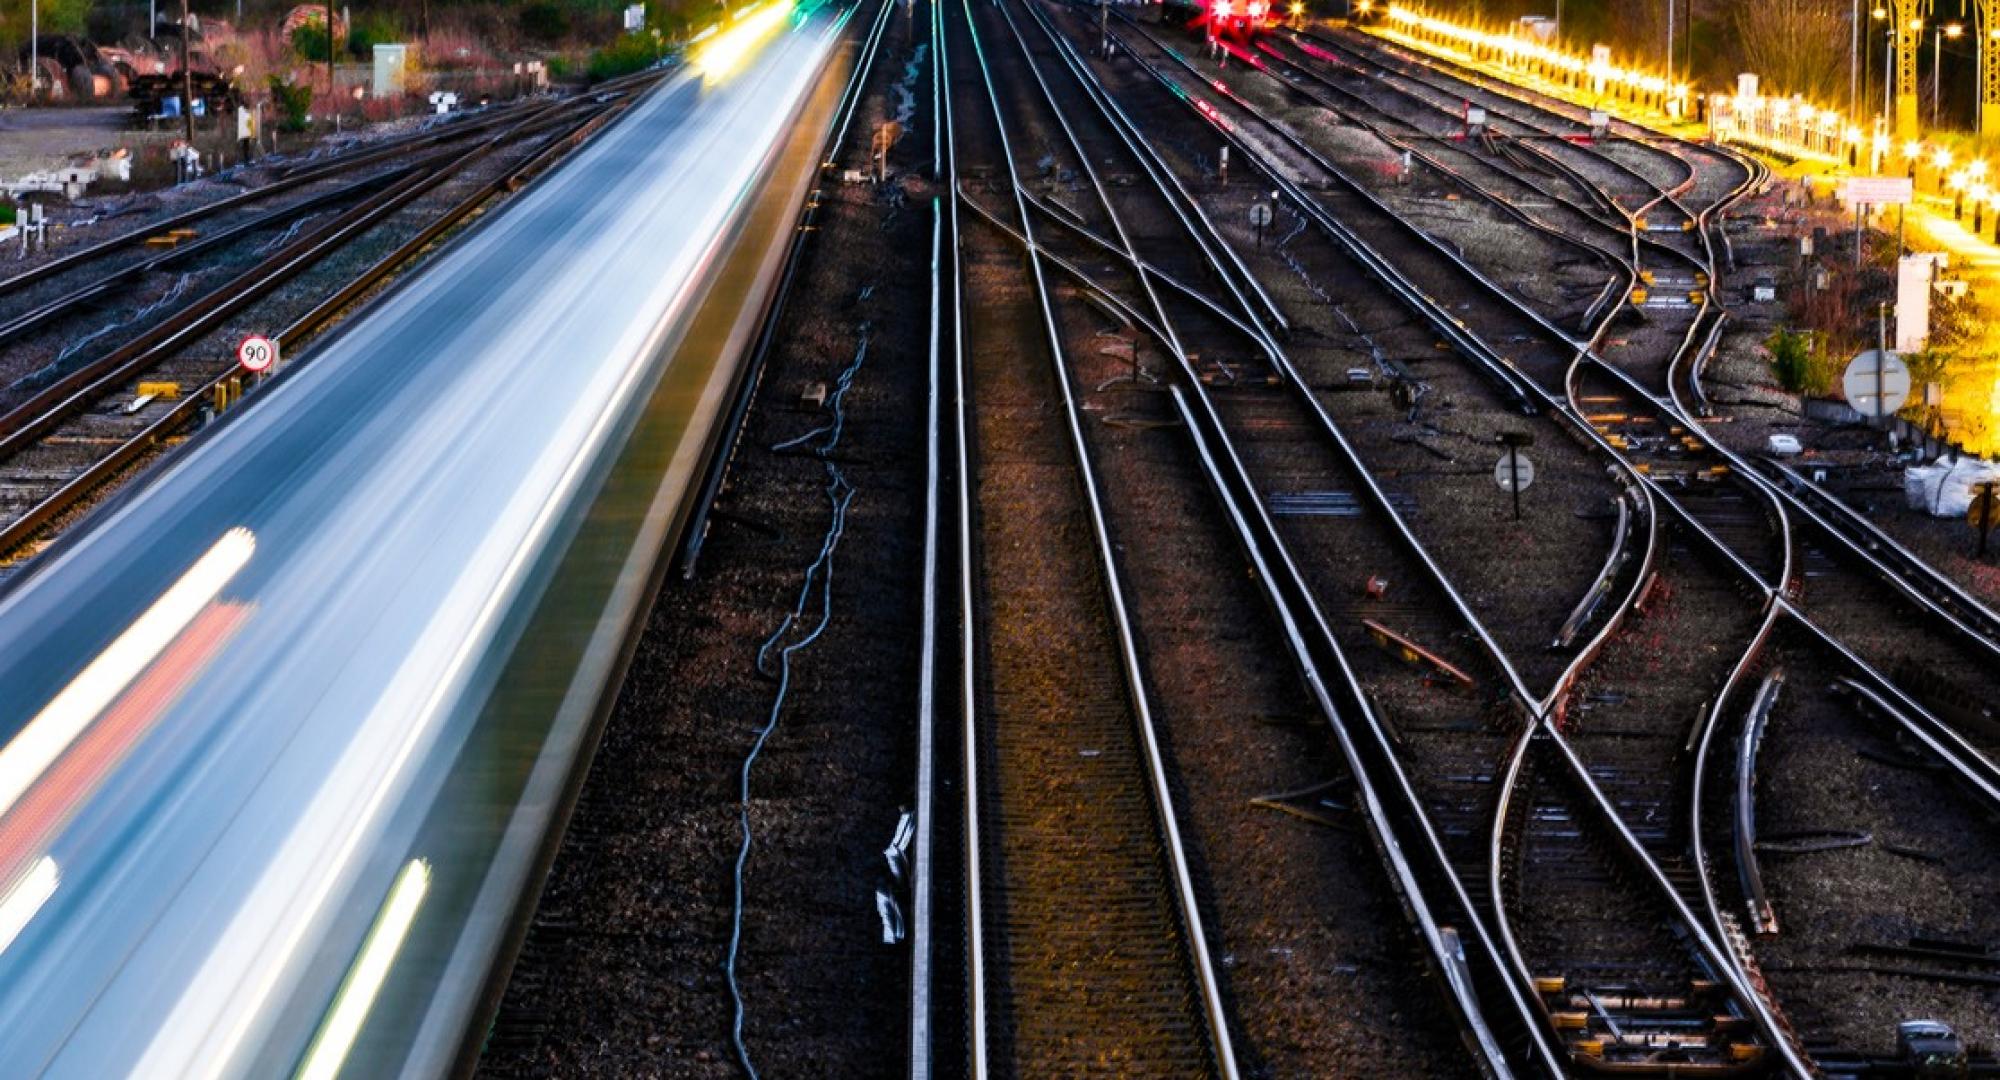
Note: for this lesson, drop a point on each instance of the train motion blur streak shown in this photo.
(237, 706)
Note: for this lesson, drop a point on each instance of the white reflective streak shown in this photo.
(26, 897)
(65, 717)
(364, 980)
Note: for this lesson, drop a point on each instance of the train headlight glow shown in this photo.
(729, 48)
(65, 717)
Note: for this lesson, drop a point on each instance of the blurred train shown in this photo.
(1239, 21)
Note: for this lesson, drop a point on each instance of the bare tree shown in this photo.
(1794, 46)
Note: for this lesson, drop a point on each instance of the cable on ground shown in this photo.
(818, 578)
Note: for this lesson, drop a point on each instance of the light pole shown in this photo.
(1875, 15)
(34, 47)
(1889, 74)
(1670, 39)
(1944, 30)
(187, 79)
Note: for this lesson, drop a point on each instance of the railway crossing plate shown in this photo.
(1862, 384)
(1514, 472)
(257, 354)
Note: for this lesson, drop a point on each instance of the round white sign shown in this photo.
(1876, 383)
(1514, 472)
(257, 354)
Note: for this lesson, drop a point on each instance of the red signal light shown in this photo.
(1222, 9)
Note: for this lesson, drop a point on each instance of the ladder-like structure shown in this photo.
(1989, 65)
(1908, 19)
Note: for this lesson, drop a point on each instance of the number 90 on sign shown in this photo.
(257, 354)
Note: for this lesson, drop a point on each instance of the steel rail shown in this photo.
(1761, 915)
(1187, 904)
(1446, 962)
(1704, 741)
(1600, 587)
(1700, 220)
(1422, 305)
(1636, 851)
(1123, 308)
(1909, 567)
(1601, 797)
(1152, 270)
(1673, 408)
(1236, 276)
(1410, 296)
(923, 861)
(1286, 591)
(1943, 740)
(1939, 735)
(1879, 701)
(1601, 327)
(968, 638)
(1447, 955)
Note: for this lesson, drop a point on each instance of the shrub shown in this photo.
(1791, 360)
(630, 53)
(292, 103)
(309, 41)
(371, 29)
(544, 21)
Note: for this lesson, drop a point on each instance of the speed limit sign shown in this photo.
(257, 354)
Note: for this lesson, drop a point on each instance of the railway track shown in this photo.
(1887, 574)
(95, 421)
(1836, 848)
(1085, 944)
(1413, 804)
(305, 176)
(1657, 421)
(1620, 161)
(1708, 961)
